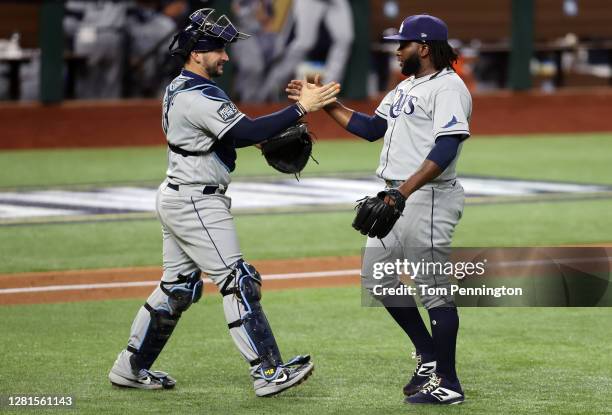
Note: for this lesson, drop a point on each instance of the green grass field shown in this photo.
(138, 242)
(559, 157)
(522, 360)
(555, 362)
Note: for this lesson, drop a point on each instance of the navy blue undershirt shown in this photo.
(369, 128)
(445, 150)
(250, 131)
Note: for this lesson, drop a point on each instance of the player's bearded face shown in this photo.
(408, 55)
(214, 61)
(411, 65)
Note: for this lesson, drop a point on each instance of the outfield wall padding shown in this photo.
(138, 122)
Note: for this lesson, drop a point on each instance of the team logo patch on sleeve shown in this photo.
(227, 111)
(452, 122)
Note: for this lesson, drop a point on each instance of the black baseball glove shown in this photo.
(376, 218)
(289, 151)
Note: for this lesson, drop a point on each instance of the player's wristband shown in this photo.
(301, 109)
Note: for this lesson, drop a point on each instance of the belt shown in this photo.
(206, 190)
(397, 183)
(393, 183)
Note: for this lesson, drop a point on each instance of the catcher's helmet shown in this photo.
(204, 34)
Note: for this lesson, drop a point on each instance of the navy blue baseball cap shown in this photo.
(421, 27)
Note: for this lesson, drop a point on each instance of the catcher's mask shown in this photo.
(204, 34)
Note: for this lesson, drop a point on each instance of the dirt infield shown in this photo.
(137, 122)
(108, 284)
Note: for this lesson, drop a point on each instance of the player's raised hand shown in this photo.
(293, 90)
(295, 86)
(314, 97)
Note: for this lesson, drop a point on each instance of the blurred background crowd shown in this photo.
(119, 48)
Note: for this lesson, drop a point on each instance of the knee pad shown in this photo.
(186, 290)
(242, 295)
(164, 311)
(249, 283)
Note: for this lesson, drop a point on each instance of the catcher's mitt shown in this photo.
(289, 151)
(376, 218)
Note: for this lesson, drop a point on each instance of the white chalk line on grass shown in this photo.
(127, 284)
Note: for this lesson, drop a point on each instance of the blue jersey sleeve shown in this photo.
(369, 128)
(248, 131)
(445, 150)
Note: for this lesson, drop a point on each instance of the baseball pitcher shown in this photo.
(424, 121)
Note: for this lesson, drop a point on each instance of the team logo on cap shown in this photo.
(423, 34)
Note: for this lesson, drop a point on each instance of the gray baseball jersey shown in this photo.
(196, 116)
(417, 112)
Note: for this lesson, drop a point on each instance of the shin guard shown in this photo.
(159, 316)
(247, 322)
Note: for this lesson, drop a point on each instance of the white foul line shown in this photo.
(293, 276)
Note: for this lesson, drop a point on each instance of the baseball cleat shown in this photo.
(273, 381)
(426, 366)
(123, 375)
(438, 391)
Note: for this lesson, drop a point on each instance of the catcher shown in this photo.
(203, 129)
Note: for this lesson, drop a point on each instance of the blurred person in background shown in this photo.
(254, 55)
(308, 15)
(97, 31)
(111, 35)
(150, 30)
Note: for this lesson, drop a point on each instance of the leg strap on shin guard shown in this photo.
(245, 285)
(165, 316)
